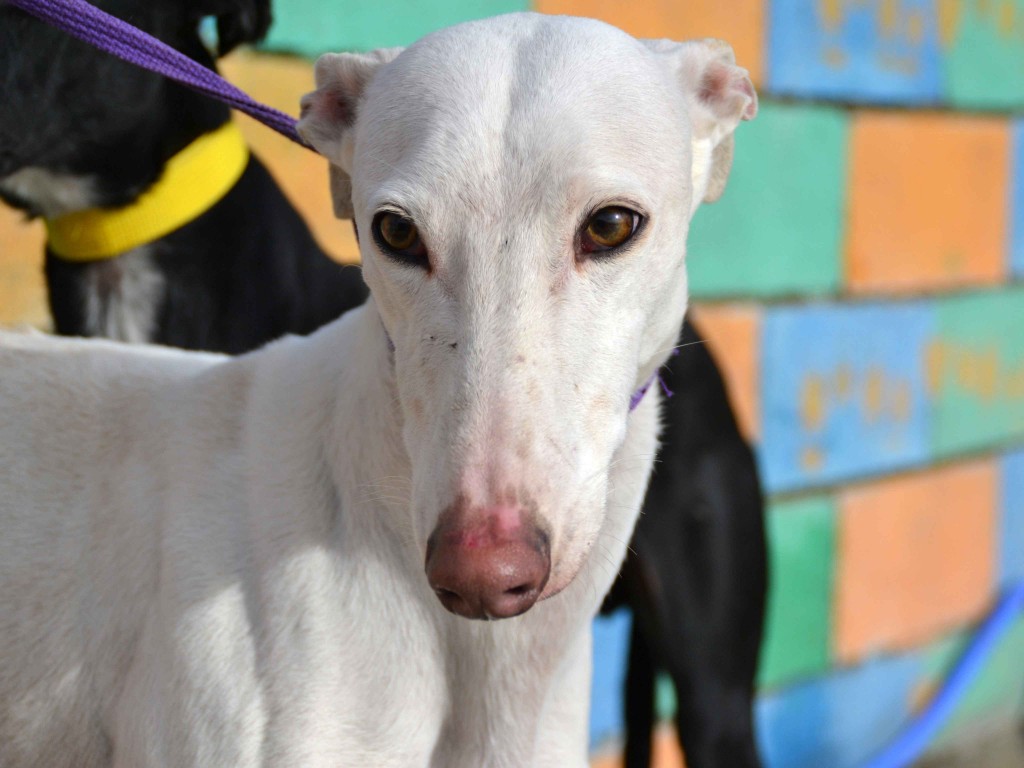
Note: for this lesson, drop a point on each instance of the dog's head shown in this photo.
(65, 102)
(523, 187)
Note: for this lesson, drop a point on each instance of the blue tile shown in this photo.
(843, 392)
(611, 650)
(855, 51)
(1011, 533)
(840, 720)
(1017, 202)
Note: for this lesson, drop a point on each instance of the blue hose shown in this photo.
(909, 745)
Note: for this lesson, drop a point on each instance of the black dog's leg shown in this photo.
(710, 623)
(723, 738)
(710, 653)
(639, 700)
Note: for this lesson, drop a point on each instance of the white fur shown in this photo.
(219, 562)
(123, 296)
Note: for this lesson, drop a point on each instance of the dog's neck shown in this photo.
(192, 182)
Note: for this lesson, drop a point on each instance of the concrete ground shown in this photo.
(1001, 747)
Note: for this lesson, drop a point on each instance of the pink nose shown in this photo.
(492, 566)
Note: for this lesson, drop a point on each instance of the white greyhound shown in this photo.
(209, 562)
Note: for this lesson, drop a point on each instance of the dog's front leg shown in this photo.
(562, 731)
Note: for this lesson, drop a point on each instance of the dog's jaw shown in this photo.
(41, 192)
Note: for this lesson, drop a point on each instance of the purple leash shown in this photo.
(109, 33)
(112, 35)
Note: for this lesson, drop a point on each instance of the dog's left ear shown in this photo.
(329, 113)
(720, 96)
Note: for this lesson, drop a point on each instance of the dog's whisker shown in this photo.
(627, 545)
(609, 561)
(674, 347)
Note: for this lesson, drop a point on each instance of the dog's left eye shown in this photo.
(398, 236)
(608, 228)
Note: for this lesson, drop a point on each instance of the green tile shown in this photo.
(801, 539)
(939, 657)
(778, 228)
(984, 65)
(665, 701)
(977, 371)
(311, 27)
(998, 692)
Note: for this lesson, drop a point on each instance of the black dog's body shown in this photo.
(248, 270)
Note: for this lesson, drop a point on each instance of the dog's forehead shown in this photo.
(521, 94)
(519, 48)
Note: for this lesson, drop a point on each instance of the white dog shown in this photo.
(217, 562)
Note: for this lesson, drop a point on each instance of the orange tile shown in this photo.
(607, 761)
(734, 333)
(916, 557)
(666, 752)
(739, 22)
(22, 290)
(928, 201)
(281, 81)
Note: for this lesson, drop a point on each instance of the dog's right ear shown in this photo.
(329, 113)
(720, 95)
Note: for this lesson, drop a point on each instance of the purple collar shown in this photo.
(638, 396)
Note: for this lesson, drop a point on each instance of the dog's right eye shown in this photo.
(607, 229)
(398, 237)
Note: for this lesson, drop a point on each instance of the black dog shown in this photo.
(696, 573)
(94, 132)
(80, 129)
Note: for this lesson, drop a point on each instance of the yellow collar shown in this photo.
(193, 181)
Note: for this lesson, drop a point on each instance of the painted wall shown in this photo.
(862, 284)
